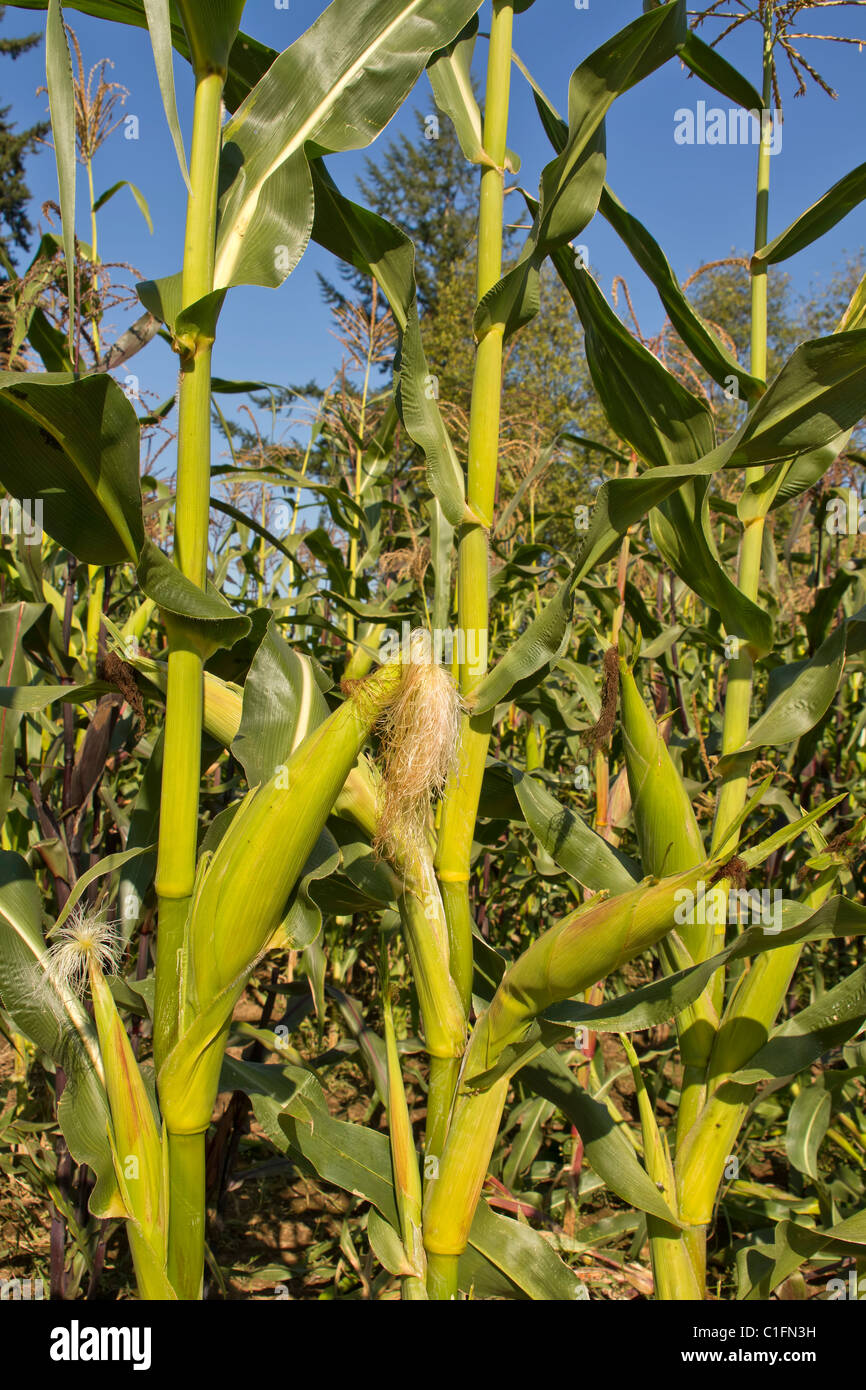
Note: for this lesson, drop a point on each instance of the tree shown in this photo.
(426, 186)
(15, 225)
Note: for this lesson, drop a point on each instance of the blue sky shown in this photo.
(697, 200)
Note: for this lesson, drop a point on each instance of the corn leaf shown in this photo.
(708, 64)
(61, 102)
(681, 529)
(72, 445)
(607, 1149)
(645, 404)
(140, 200)
(713, 356)
(577, 849)
(205, 617)
(281, 705)
(450, 74)
(763, 1269)
(211, 27)
(15, 619)
(310, 94)
(373, 245)
(158, 19)
(835, 204)
(806, 1128)
(807, 689)
(571, 184)
(248, 60)
(801, 1040)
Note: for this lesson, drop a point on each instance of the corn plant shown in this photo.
(333, 781)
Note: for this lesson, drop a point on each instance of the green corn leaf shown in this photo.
(681, 529)
(527, 1141)
(15, 621)
(801, 1040)
(61, 102)
(303, 920)
(271, 1088)
(441, 552)
(805, 689)
(371, 244)
(106, 865)
(359, 1161)
(205, 618)
(819, 392)
(806, 1128)
(211, 28)
(576, 848)
(311, 94)
(248, 60)
(33, 697)
(72, 445)
(608, 1151)
(514, 1250)
(571, 184)
(713, 356)
(450, 74)
(645, 404)
(158, 19)
(141, 201)
(281, 705)
(835, 204)
(708, 64)
(387, 1245)
(535, 650)
(762, 1270)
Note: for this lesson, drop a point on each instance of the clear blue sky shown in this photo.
(697, 201)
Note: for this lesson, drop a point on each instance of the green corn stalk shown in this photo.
(745, 1026)
(460, 806)
(178, 820)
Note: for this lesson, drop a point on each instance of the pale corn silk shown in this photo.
(418, 730)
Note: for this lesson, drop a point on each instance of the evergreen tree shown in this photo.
(15, 225)
(430, 190)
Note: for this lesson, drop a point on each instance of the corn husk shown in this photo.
(569, 957)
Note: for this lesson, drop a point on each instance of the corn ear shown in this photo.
(670, 841)
(674, 1273)
(422, 915)
(584, 947)
(236, 910)
(404, 1159)
(668, 834)
(136, 1141)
